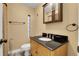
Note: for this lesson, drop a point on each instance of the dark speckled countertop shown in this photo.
(51, 45)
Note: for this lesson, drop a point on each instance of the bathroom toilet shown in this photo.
(26, 49)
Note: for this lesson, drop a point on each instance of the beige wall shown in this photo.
(69, 16)
(18, 32)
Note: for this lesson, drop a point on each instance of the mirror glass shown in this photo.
(52, 12)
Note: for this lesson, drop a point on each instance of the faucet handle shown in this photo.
(44, 34)
(51, 36)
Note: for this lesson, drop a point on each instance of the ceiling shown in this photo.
(33, 5)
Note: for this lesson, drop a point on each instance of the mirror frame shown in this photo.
(60, 14)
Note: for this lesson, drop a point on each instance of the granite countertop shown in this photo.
(51, 45)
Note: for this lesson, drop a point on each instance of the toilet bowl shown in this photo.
(26, 49)
(16, 52)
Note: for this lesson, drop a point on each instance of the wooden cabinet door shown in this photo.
(42, 51)
(34, 48)
(61, 51)
(38, 50)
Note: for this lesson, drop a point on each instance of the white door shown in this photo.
(1, 29)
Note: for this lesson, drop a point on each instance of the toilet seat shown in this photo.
(25, 46)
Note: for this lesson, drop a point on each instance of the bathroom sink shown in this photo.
(44, 39)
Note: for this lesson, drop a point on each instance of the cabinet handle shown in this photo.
(36, 52)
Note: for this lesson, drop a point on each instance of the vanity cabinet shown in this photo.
(39, 50)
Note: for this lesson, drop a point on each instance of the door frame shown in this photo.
(78, 23)
(5, 30)
(1, 45)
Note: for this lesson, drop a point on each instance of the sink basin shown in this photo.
(44, 39)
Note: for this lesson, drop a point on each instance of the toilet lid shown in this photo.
(25, 46)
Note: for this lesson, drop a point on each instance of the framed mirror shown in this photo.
(52, 12)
